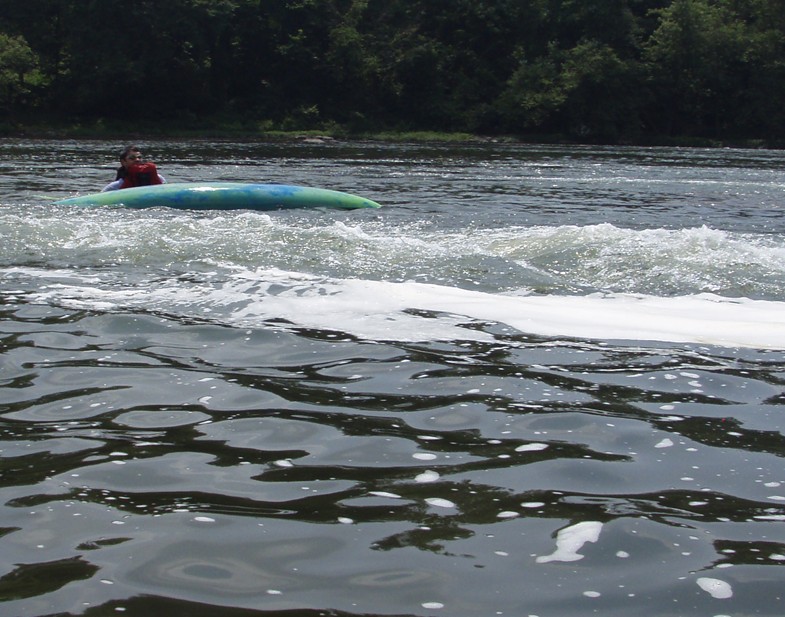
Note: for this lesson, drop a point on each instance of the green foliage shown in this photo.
(696, 60)
(18, 64)
(535, 92)
(603, 91)
(601, 70)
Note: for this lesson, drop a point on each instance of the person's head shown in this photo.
(131, 155)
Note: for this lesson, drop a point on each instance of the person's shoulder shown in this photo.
(113, 186)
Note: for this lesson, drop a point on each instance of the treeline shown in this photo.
(602, 70)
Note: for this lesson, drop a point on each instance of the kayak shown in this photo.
(222, 196)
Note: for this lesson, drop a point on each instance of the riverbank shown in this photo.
(217, 128)
(238, 130)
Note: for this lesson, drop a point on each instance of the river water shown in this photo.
(540, 380)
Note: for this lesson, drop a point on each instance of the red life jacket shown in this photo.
(142, 174)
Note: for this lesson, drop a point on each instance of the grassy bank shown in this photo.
(210, 129)
(242, 130)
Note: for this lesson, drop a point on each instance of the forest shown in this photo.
(601, 71)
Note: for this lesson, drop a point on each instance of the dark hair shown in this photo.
(127, 150)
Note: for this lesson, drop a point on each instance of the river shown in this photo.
(539, 381)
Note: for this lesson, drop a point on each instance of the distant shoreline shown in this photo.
(99, 130)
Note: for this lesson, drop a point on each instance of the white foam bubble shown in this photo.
(571, 539)
(438, 502)
(204, 519)
(715, 587)
(427, 476)
(384, 494)
(531, 447)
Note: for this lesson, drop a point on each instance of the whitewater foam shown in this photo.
(411, 311)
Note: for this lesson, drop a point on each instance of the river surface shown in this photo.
(539, 381)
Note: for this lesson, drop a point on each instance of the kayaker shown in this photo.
(133, 171)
